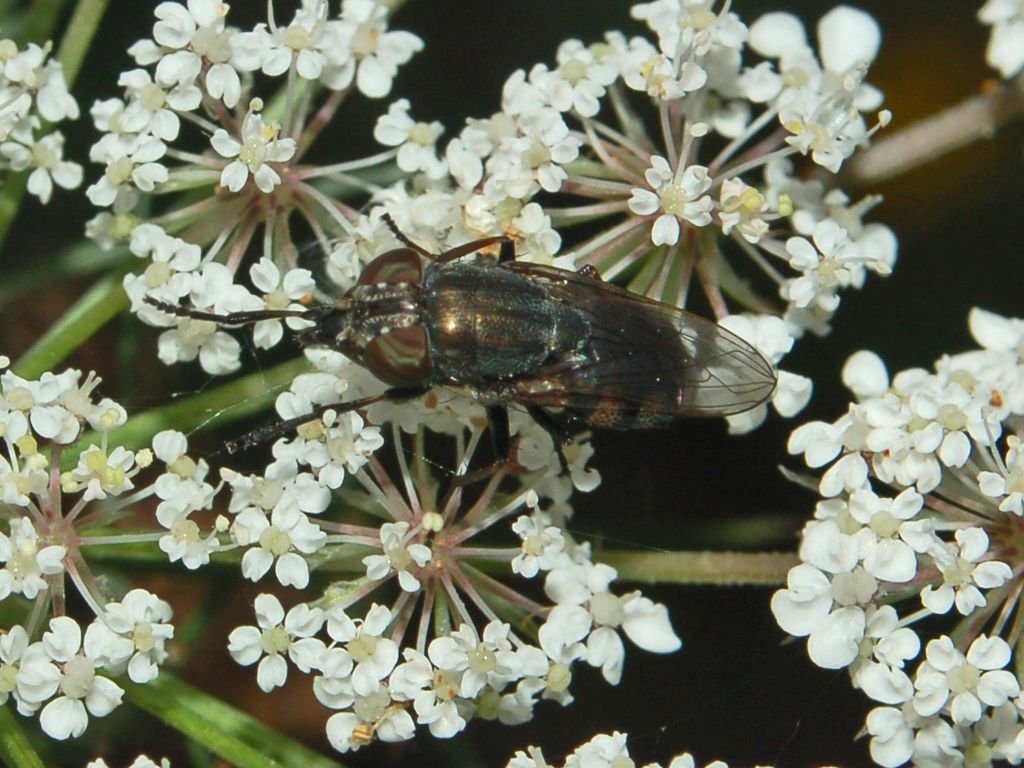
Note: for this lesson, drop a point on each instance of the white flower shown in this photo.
(130, 162)
(375, 656)
(579, 81)
(416, 141)
(645, 623)
(83, 692)
(543, 545)
(152, 108)
(379, 52)
(287, 538)
(373, 717)
(433, 691)
(963, 572)
(45, 157)
(25, 563)
(275, 636)
(279, 294)
(964, 682)
(258, 147)
(131, 636)
(400, 556)
(677, 195)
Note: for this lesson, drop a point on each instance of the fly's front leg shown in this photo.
(233, 318)
(282, 426)
(560, 435)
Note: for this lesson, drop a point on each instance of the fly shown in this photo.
(569, 348)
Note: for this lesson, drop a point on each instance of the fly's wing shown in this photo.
(645, 362)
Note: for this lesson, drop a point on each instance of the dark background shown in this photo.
(735, 691)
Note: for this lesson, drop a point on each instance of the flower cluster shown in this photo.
(59, 667)
(444, 649)
(602, 751)
(188, 122)
(34, 96)
(911, 570)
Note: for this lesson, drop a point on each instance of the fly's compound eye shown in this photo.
(399, 357)
(402, 265)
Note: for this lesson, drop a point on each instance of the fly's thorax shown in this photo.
(487, 323)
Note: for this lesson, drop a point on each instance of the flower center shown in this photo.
(152, 97)
(157, 273)
(422, 134)
(275, 541)
(884, 524)
(183, 466)
(674, 199)
(963, 678)
(364, 41)
(482, 660)
(119, 171)
(20, 398)
(445, 686)
(559, 677)
(606, 609)
(186, 531)
(277, 300)
(142, 637)
(275, 640)
(536, 156)
(399, 557)
(296, 37)
(43, 155)
(266, 493)
(253, 152)
(362, 647)
(573, 71)
(371, 708)
(952, 418)
(212, 45)
(79, 673)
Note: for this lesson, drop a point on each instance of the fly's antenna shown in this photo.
(404, 239)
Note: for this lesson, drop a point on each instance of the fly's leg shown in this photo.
(282, 426)
(507, 245)
(560, 435)
(233, 318)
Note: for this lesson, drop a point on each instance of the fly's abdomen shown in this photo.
(487, 324)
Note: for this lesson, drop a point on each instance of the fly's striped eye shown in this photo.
(402, 265)
(399, 357)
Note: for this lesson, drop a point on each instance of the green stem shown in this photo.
(81, 29)
(712, 568)
(15, 749)
(40, 22)
(230, 402)
(229, 733)
(83, 259)
(104, 299)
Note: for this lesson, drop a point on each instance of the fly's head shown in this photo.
(378, 322)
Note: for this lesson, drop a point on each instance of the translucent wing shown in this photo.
(645, 362)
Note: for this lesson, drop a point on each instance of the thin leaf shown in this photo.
(225, 404)
(229, 733)
(15, 750)
(81, 30)
(104, 299)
